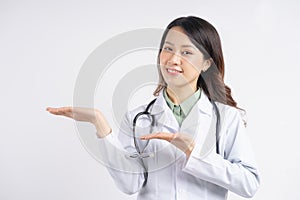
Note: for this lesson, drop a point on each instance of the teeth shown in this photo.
(173, 71)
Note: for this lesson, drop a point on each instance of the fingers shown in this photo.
(160, 135)
(182, 141)
(67, 111)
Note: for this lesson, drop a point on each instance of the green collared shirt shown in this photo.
(182, 110)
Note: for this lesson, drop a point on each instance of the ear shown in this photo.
(207, 63)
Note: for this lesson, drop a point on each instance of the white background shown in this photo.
(43, 45)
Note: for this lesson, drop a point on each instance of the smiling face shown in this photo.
(181, 62)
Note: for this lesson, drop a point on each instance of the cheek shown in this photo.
(163, 58)
(192, 73)
(192, 69)
(196, 65)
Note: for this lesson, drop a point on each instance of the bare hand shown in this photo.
(78, 114)
(93, 116)
(182, 141)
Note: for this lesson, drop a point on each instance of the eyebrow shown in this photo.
(185, 45)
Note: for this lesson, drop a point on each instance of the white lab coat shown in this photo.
(205, 175)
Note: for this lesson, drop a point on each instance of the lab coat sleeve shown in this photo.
(126, 172)
(236, 169)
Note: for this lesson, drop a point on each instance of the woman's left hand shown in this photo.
(182, 141)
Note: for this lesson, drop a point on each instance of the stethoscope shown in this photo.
(140, 151)
(146, 114)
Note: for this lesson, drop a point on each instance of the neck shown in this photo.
(178, 94)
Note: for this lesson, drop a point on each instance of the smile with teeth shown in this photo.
(174, 71)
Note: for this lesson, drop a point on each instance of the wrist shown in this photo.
(189, 150)
(102, 127)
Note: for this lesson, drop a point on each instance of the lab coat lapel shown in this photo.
(199, 117)
(163, 114)
(198, 122)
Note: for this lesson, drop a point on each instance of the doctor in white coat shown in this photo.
(186, 156)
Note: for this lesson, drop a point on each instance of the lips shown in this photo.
(174, 70)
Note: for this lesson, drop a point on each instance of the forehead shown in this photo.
(176, 35)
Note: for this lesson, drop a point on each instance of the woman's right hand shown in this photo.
(93, 116)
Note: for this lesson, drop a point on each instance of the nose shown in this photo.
(174, 59)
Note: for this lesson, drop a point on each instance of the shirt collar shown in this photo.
(161, 105)
(187, 105)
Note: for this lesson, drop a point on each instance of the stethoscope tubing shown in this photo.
(146, 112)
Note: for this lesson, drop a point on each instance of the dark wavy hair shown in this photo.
(206, 38)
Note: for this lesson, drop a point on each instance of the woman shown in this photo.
(188, 161)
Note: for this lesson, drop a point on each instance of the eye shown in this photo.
(168, 49)
(187, 53)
